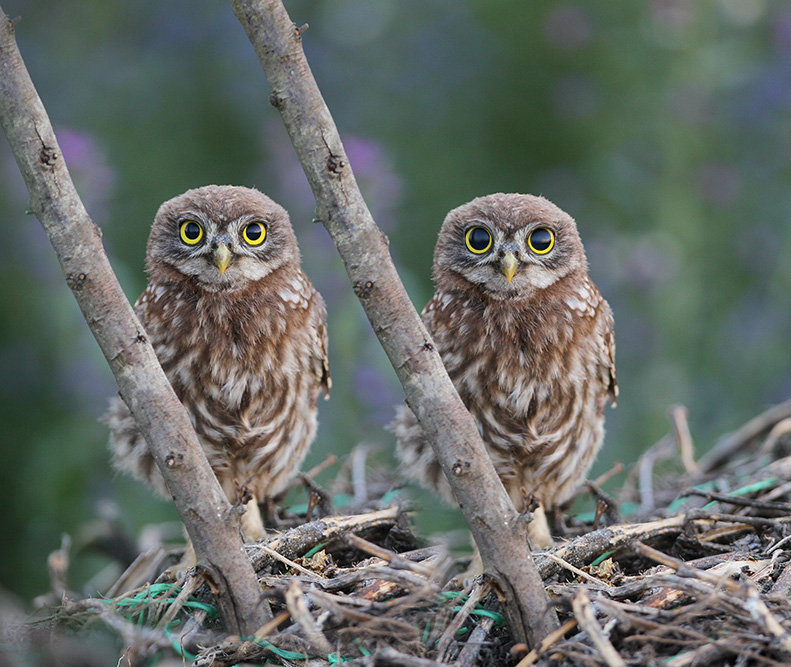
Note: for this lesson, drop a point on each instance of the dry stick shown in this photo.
(298, 608)
(745, 593)
(188, 587)
(678, 415)
(580, 573)
(645, 467)
(755, 521)
(476, 595)
(582, 550)
(548, 642)
(780, 429)
(605, 477)
(395, 560)
(500, 535)
(330, 461)
(270, 626)
(586, 619)
(206, 512)
(389, 656)
(737, 500)
(289, 562)
(296, 541)
(468, 656)
(600, 481)
(736, 441)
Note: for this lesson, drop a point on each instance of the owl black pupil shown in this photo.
(541, 239)
(191, 231)
(254, 232)
(479, 239)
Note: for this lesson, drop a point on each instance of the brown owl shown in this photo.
(241, 334)
(528, 343)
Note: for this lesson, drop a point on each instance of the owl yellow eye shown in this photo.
(191, 232)
(541, 240)
(478, 240)
(254, 233)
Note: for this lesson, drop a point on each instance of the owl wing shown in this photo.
(321, 365)
(608, 361)
(149, 309)
(429, 312)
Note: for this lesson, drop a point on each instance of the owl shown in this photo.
(527, 340)
(241, 334)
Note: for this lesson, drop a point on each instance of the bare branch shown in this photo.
(735, 442)
(499, 533)
(142, 384)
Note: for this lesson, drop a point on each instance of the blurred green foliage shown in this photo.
(663, 127)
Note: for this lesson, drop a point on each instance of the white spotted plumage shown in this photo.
(532, 357)
(244, 348)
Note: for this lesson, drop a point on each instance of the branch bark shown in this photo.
(207, 514)
(498, 531)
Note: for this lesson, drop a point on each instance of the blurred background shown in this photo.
(662, 127)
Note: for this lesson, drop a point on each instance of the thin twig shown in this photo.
(289, 562)
(678, 416)
(779, 430)
(359, 484)
(298, 608)
(756, 521)
(582, 550)
(548, 642)
(330, 461)
(296, 541)
(737, 500)
(270, 626)
(605, 477)
(576, 570)
(733, 443)
(468, 656)
(395, 560)
(581, 605)
(600, 481)
(479, 591)
(645, 467)
(188, 587)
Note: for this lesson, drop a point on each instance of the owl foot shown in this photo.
(473, 571)
(179, 570)
(538, 531)
(252, 523)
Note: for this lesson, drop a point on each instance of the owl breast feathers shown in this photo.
(527, 341)
(241, 334)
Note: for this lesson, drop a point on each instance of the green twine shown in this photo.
(498, 618)
(315, 550)
(744, 490)
(152, 593)
(602, 558)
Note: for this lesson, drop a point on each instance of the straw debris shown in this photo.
(698, 574)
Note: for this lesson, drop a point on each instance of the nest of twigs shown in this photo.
(696, 574)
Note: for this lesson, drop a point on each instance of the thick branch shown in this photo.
(206, 512)
(495, 525)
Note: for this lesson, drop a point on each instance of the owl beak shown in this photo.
(508, 265)
(222, 257)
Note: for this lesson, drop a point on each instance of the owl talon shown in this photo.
(252, 523)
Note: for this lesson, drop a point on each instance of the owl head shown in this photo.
(509, 245)
(221, 236)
